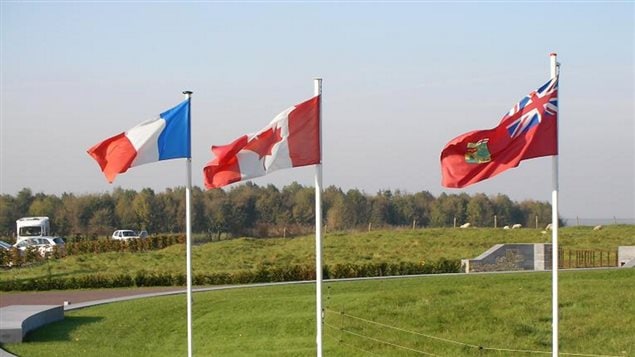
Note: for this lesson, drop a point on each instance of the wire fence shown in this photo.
(376, 338)
(582, 221)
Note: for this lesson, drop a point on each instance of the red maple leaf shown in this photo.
(263, 143)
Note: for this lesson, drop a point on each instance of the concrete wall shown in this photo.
(511, 257)
(626, 256)
(17, 320)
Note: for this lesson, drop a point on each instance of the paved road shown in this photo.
(83, 298)
(58, 297)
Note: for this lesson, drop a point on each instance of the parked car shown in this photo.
(4, 245)
(44, 245)
(125, 234)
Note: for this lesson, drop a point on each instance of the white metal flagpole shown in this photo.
(554, 228)
(188, 241)
(317, 82)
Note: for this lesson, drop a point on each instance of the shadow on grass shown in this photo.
(60, 330)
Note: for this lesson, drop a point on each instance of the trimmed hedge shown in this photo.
(131, 245)
(260, 275)
(16, 258)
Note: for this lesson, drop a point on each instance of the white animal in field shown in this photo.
(597, 228)
(506, 227)
(548, 227)
(466, 225)
(517, 225)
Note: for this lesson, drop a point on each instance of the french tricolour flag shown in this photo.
(166, 137)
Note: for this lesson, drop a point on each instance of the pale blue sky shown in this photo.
(400, 81)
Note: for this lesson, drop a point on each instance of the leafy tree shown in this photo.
(44, 206)
(357, 209)
(124, 210)
(303, 210)
(248, 209)
(480, 211)
(8, 215)
(269, 204)
(23, 201)
(102, 222)
(404, 209)
(423, 202)
(198, 210)
(173, 210)
(217, 212)
(533, 210)
(382, 210)
(243, 215)
(336, 213)
(504, 210)
(148, 210)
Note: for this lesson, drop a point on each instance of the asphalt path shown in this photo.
(74, 299)
(58, 297)
(84, 298)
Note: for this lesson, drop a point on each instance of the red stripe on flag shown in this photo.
(114, 155)
(224, 168)
(304, 133)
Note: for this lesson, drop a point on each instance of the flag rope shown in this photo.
(339, 340)
(342, 329)
(385, 342)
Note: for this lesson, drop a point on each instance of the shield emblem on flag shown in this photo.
(477, 153)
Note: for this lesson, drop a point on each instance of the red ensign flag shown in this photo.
(529, 130)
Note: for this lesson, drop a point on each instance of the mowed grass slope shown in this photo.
(392, 246)
(439, 315)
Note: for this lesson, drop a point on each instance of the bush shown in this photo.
(263, 274)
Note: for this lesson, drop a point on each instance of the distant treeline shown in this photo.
(251, 210)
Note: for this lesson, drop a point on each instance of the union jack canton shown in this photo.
(530, 110)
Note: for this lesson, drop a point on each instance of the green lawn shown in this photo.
(496, 311)
(390, 246)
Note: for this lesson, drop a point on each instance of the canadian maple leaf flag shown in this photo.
(291, 139)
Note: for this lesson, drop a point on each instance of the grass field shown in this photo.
(391, 246)
(438, 315)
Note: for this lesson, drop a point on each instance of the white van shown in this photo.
(31, 227)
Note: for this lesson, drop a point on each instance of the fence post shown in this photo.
(617, 263)
(601, 257)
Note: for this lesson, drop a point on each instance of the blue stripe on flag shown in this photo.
(175, 139)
